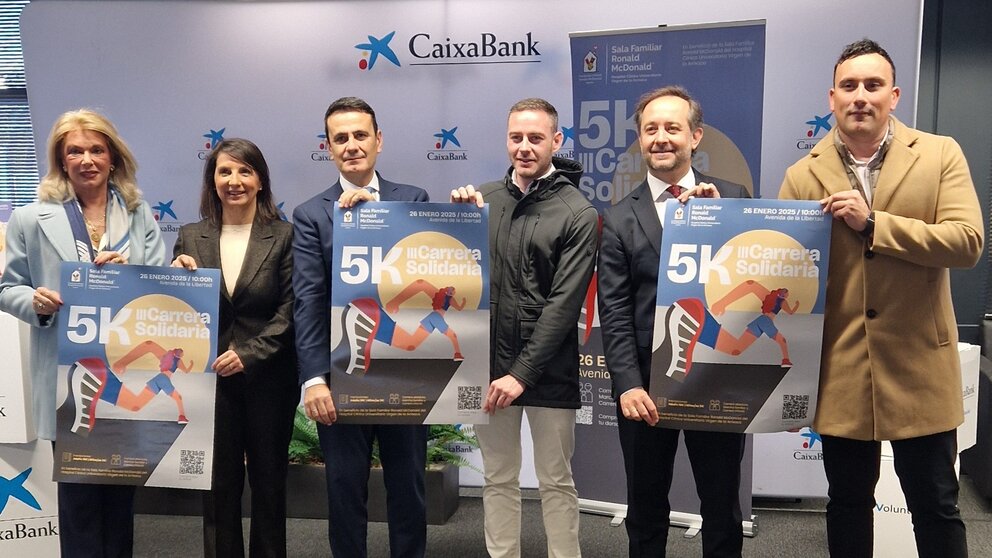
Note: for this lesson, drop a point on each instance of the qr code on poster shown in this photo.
(191, 462)
(469, 398)
(795, 407)
(584, 415)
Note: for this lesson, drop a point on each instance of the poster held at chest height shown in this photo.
(741, 292)
(135, 390)
(410, 313)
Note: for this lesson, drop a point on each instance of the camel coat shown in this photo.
(890, 367)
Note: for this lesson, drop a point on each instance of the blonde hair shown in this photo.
(55, 185)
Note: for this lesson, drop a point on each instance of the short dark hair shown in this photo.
(861, 48)
(350, 104)
(695, 110)
(538, 104)
(249, 154)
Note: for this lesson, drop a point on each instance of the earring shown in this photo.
(112, 167)
(63, 169)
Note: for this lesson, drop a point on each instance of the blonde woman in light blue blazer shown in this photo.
(89, 209)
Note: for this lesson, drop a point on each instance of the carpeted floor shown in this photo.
(785, 529)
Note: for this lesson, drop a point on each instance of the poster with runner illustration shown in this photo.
(136, 392)
(739, 323)
(410, 313)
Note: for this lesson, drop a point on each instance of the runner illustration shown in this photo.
(365, 321)
(92, 380)
(689, 322)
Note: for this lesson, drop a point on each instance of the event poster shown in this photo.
(410, 313)
(739, 323)
(136, 391)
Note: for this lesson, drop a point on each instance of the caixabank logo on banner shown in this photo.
(14, 494)
(424, 49)
(816, 128)
(567, 149)
(811, 446)
(447, 147)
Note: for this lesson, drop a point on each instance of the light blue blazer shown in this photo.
(38, 240)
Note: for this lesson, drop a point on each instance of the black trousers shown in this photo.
(649, 461)
(925, 467)
(347, 453)
(254, 423)
(96, 520)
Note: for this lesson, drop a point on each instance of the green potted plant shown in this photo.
(304, 446)
(445, 445)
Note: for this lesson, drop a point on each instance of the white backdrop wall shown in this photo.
(171, 73)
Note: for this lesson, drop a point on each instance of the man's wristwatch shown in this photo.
(869, 225)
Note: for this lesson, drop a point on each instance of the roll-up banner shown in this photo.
(722, 66)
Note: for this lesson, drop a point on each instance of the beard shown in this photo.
(681, 158)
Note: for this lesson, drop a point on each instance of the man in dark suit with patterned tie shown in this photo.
(354, 141)
(669, 123)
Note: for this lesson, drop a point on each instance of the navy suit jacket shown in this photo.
(312, 250)
(629, 254)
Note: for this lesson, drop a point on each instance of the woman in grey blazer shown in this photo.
(257, 393)
(89, 209)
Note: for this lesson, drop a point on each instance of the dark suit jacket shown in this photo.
(258, 318)
(629, 253)
(312, 250)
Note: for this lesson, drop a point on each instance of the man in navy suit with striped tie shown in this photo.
(354, 142)
(670, 127)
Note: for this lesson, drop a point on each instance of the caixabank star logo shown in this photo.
(17, 521)
(811, 449)
(567, 149)
(165, 215)
(425, 49)
(447, 147)
(213, 138)
(320, 154)
(816, 128)
(14, 488)
(374, 48)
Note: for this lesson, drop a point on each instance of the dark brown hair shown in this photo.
(695, 110)
(861, 48)
(249, 154)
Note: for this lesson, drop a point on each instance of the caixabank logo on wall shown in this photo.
(421, 48)
(447, 147)
(816, 128)
(213, 138)
(165, 215)
(320, 154)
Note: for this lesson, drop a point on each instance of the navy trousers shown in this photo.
(649, 461)
(96, 520)
(347, 452)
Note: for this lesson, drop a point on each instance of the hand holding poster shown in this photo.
(136, 390)
(739, 322)
(410, 313)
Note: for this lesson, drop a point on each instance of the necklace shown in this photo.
(94, 230)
